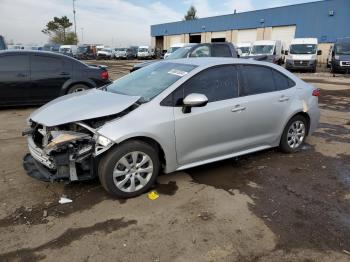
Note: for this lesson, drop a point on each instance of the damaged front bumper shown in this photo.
(58, 155)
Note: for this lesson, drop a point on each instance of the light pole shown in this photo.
(75, 22)
(82, 35)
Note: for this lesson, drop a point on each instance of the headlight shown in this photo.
(103, 141)
(336, 57)
(60, 138)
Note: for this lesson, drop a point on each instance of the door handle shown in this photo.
(238, 108)
(283, 99)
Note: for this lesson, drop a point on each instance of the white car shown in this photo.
(173, 48)
(145, 52)
(105, 53)
(245, 48)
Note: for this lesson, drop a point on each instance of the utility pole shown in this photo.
(75, 22)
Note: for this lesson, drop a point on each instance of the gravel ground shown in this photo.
(266, 206)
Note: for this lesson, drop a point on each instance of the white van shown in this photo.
(145, 52)
(245, 48)
(303, 54)
(173, 48)
(70, 50)
(272, 49)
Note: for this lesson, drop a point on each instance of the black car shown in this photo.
(341, 56)
(36, 77)
(224, 49)
(85, 52)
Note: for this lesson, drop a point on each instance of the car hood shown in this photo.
(80, 106)
(344, 57)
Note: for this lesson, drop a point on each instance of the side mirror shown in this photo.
(286, 52)
(193, 100)
(319, 52)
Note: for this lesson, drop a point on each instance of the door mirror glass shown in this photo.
(194, 100)
(319, 52)
(286, 52)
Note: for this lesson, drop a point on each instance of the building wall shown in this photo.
(311, 20)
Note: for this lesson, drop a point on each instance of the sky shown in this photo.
(112, 22)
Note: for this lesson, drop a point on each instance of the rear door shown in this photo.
(265, 97)
(14, 79)
(48, 74)
(221, 50)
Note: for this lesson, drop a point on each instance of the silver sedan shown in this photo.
(169, 116)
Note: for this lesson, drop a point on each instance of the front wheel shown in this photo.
(129, 169)
(294, 134)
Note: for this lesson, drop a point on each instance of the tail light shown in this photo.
(104, 75)
(316, 92)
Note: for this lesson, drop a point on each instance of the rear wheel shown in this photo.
(129, 169)
(77, 88)
(294, 134)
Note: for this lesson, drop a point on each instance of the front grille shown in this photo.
(301, 63)
(345, 63)
(38, 154)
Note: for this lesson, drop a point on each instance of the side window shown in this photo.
(221, 51)
(218, 83)
(14, 63)
(282, 82)
(46, 63)
(256, 80)
(201, 51)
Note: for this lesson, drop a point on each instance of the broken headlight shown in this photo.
(103, 141)
(63, 137)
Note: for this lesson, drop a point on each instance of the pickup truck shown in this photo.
(198, 50)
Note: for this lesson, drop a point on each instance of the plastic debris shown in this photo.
(64, 200)
(153, 195)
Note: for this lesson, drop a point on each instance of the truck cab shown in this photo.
(340, 61)
(302, 54)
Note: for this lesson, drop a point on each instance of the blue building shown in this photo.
(326, 20)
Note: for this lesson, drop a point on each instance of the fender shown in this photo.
(71, 82)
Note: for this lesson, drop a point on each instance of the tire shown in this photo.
(77, 88)
(294, 134)
(114, 162)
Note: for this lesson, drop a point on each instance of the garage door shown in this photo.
(284, 33)
(248, 35)
(175, 39)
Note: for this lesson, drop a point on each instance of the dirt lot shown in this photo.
(267, 206)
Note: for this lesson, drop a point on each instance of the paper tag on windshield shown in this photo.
(177, 72)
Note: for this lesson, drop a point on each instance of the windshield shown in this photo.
(106, 50)
(173, 49)
(65, 50)
(120, 49)
(151, 80)
(342, 49)
(180, 53)
(143, 50)
(262, 49)
(303, 49)
(82, 49)
(245, 50)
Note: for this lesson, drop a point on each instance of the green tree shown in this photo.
(59, 32)
(191, 14)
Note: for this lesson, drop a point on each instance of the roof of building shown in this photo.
(324, 20)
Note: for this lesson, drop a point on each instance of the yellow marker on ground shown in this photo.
(153, 195)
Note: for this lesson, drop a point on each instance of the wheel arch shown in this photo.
(69, 84)
(305, 115)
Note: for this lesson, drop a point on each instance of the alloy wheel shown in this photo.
(133, 171)
(296, 134)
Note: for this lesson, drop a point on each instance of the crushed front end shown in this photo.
(63, 153)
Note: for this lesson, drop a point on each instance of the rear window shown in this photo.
(282, 82)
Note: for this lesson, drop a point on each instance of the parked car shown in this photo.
(51, 47)
(134, 50)
(191, 50)
(341, 56)
(302, 54)
(173, 48)
(86, 52)
(69, 50)
(36, 77)
(145, 52)
(272, 50)
(123, 53)
(2, 43)
(245, 48)
(105, 53)
(171, 115)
